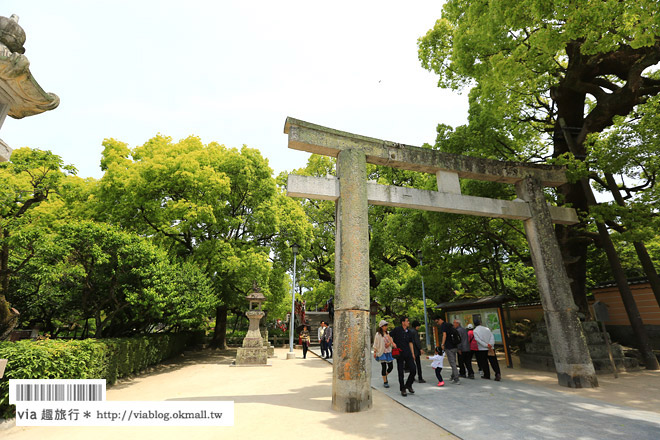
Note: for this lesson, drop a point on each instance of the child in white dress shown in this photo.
(436, 364)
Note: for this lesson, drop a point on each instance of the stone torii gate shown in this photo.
(351, 386)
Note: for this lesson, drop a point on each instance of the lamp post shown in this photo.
(426, 319)
(292, 320)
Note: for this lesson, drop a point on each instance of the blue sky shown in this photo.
(227, 71)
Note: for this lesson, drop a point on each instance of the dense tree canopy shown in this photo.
(215, 206)
(532, 64)
(28, 180)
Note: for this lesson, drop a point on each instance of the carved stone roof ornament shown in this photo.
(256, 297)
(20, 94)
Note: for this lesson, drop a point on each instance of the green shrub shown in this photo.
(108, 359)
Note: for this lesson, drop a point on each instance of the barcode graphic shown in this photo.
(56, 390)
(83, 392)
(42, 392)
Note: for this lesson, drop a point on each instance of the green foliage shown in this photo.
(531, 63)
(108, 359)
(28, 180)
(123, 281)
(216, 207)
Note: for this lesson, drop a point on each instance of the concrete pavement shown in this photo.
(515, 409)
(291, 399)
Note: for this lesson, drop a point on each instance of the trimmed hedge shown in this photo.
(108, 359)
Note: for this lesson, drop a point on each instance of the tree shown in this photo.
(627, 164)
(25, 182)
(119, 279)
(564, 69)
(535, 62)
(214, 206)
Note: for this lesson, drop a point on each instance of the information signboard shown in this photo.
(488, 317)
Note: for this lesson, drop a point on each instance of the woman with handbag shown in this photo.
(383, 346)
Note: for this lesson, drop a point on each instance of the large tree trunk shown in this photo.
(220, 333)
(615, 263)
(634, 317)
(640, 248)
(572, 240)
(649, 269)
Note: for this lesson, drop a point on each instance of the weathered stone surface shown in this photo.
(354, 235)
(317, 139)
(5, 151)
(12, 35)
(252, 356)
(253, 351)
(351, 389)
(538, 353)
(325, 188)
(569, 346)
(20, 90)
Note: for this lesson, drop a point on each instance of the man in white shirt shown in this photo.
(486, 342)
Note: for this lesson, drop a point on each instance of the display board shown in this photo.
(488, 317)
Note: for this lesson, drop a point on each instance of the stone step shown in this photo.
(601, 365)
(541, 337)
(595, 350)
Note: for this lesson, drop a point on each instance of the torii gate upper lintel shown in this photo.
(352, 193)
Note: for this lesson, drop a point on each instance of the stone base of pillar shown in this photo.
(252, 356)
(351, 387)
(291, 355)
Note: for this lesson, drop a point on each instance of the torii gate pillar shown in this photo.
(351, 379)
(560, 311)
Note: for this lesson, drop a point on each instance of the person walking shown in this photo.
(383, 351)
(305, 340)
(321, 334)
(474, 347)
(417, 345)
(463, 350)
(402, 338)
(436, 363)
(449, 347)
(486, 343)
(327, 335)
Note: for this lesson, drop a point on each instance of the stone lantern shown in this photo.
(20, 94)
(253, 351)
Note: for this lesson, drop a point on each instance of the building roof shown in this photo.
(631, 281)
(471, 304)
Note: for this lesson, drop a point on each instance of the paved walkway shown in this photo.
(514, 409)
(292, 399)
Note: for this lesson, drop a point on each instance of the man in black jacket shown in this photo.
(403, 339)
(417, 345)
